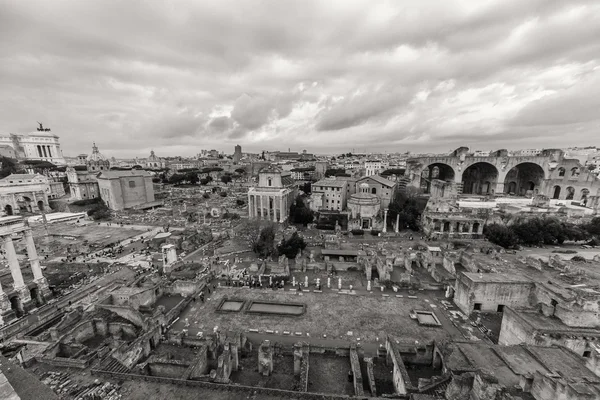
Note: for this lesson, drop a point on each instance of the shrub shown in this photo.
(352, 268)
(375, 232)
(565, 251)
(326, 227)
(358, 232)
(578, 259)
(86, 202)
(206, 196)
(240, 202)
(223, 194)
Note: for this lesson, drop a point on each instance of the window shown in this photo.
(587, 354)
(131, 184)
(561, 171)
(477, 307)
(500, 308)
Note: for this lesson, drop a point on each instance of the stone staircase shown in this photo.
(437, 388)
(113, 365)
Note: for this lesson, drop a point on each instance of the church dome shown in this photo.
(153, 157)
(96, 161)
(96, 155)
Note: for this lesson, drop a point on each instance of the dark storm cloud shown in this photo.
(337, 73)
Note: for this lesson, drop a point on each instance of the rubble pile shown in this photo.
(65, 387)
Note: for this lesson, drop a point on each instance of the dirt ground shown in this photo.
(329, 374)
(368, 317)
(282, 377)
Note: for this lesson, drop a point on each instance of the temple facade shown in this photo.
(272, 198)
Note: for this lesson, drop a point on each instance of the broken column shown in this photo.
(385, 220)
(169, 254)
(265, 358)
(15, 270)
(4, 305)
(34, 261)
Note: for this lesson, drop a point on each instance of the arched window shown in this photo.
(374, 190)
(584, 193)
(269, 182)
(556, 192)
(561, 171)
(574, 171)
(570, 193)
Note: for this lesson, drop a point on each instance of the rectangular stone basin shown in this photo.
(231, 305)
(427, 318)
(292, 309)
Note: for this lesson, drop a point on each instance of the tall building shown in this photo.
(237, 154)
(40, 145)
(126, 189)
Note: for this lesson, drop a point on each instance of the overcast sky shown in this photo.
(325, 76)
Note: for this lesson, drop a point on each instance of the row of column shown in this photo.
(15, 269)
(458, 227)
(261, 205)
(44, 151)
(397, 227)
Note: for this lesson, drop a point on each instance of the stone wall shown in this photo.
(167, 368)
(183, 288)
(126, 312)
(356, 372)
(491, 294)
(557, 388)
(248, 390)
(515, 330)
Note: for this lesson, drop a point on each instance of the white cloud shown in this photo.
(325, 75)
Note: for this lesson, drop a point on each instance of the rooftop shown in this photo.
(330, 183)
(379, 179)
(122, 174)
(508, 363)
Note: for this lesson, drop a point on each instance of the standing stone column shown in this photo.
(15, 269)
(262, 209)
(385, 220)
(34, 260)
(281, 208)
(250, 208)
(397, 222)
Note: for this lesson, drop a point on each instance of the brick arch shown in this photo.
(525, 175)
(445, 172)
(480, 177)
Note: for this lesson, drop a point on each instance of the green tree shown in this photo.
(405, 205)
(306, 187)
(192, 177)
(9, 166)
(291, 246)
(176, 179)
(501, 235)
(300, 213)
(264, 246)
(226, 179)
(100, 212)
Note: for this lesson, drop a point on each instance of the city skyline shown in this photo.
(374, 76)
